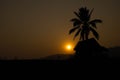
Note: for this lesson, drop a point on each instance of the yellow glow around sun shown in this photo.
(69, 47)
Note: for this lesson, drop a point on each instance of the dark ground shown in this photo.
(115, 60)
(56, 66)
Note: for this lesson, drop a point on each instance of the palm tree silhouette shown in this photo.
(83, 24)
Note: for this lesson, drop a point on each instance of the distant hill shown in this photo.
(58, 57)
(113, 52)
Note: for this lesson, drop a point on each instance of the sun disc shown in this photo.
(68, 47)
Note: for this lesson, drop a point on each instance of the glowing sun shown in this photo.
(69, 47)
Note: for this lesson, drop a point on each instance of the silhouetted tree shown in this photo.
(83, 24)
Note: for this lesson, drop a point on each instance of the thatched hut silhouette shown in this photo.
(89, 48)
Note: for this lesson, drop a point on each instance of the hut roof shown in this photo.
(90, 45)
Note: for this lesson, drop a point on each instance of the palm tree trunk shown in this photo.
(83, 37)
(86, 36)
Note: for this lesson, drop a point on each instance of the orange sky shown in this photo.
(37, 28)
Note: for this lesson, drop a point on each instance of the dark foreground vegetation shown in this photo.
(71, 61)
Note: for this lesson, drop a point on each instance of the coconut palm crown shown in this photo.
(83, 24)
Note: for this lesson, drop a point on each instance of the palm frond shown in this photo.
(73, 29)
(77, 33)
(93, 24)
(96, 21)
(82, 35)
(77, 14)
(76, 22)
(74, 19)
(95, 33)
(91, 13)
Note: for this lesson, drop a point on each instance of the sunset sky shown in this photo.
(37, 28)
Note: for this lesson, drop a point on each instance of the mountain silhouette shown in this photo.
(59, 57)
